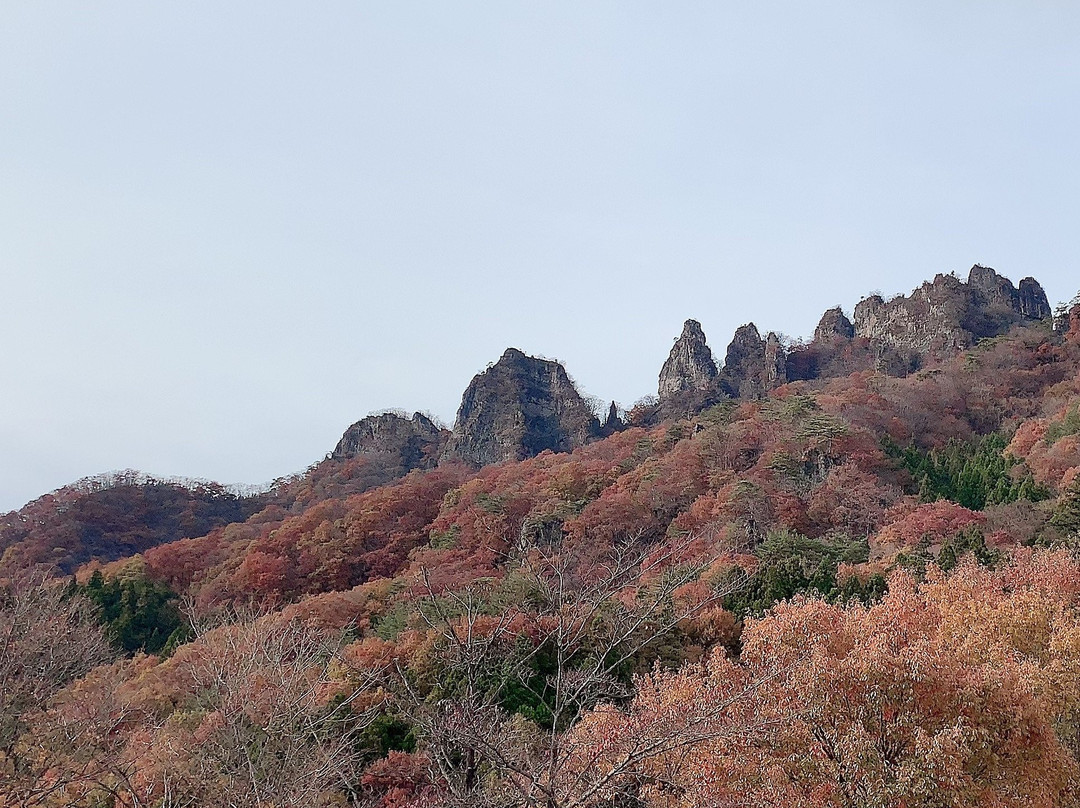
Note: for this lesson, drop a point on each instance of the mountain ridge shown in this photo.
(521, 406)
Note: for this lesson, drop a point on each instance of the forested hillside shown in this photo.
(836, 573)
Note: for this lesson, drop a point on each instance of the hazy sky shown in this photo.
(229, 230)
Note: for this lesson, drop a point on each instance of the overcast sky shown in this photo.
(229, 230)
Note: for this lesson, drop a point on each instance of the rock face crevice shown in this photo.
(415, 442)
(517, 408)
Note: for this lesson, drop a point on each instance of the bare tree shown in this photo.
(572, 645)
(48, 639)
(275, 721)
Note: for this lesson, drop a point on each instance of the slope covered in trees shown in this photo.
(854, 589)
(115, 516)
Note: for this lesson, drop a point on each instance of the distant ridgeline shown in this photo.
(111, 516)
(521, 406)
(127, 477)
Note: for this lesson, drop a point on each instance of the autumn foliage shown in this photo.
(858, 591)
(958, 690)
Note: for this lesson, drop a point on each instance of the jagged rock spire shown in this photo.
(753, 365)
(1033, 302)
(689, 365)
(775, 363)
(613, 423)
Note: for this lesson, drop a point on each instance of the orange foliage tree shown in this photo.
(957, 691)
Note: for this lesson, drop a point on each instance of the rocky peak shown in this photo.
(744, 343)
(613, 423)
(753, 365)
(690, 364)
(866, 309)
(775, 362)
(516, 409)
(415, 441)
(991, 289)
(948, 314)
(834, 325)
(1033, 302)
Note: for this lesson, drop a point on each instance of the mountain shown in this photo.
(522, 406)
(859, 543)
(114, 516)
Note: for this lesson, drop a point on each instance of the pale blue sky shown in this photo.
(227, 231)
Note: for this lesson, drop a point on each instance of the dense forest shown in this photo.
(842, 589)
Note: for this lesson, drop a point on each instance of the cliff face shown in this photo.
(415, 442)
(688, 377)
(947, 314)
(775, 370)
(927, 321)
(516, 409)
(1033, 302)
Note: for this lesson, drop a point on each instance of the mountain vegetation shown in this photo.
(834, 574)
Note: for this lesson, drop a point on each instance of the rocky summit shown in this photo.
(947, 314)
(753, 365)
(689, 371)
(834, 325)
(415, 442)
(516, 409)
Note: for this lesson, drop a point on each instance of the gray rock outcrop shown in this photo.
(415, 442)
(753, 365)
(775, 373)
(948, 314)
(689, 370)
(1033, 302)
(516, 409)
(833, 325)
